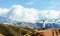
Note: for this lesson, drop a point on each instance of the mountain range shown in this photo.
(27, 24)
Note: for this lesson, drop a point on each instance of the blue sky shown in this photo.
(30, 10)
(38, 4)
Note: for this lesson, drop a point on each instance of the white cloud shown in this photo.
(3, 11)
(24, 14)
(31, 14)
(49, 15)
(19, 13)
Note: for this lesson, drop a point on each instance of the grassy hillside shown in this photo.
(8, 30)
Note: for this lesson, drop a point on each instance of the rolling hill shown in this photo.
(9, 30)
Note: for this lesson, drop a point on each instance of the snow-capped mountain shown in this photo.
(8, 21)
(49, 25)
(28, 25)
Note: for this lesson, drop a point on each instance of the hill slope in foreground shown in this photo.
(9, 30)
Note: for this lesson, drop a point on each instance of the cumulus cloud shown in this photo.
(22, 14)
(3, 11)
(49, 15)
